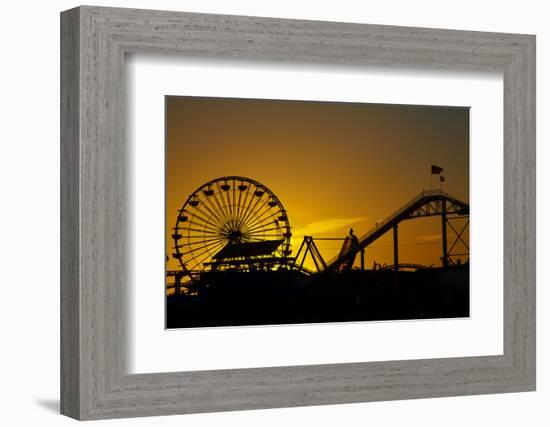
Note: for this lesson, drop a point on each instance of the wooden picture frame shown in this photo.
(94, 382)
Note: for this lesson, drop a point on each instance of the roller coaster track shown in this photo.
(402, 267)
(427, 203)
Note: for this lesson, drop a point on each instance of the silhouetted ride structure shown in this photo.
(426, 204)
(231, 223)
(232, 242)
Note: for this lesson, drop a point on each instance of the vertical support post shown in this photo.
(363, 259)
(395, 248)
(444, 232)
(396, 255)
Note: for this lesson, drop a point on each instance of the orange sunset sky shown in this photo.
(332, 165)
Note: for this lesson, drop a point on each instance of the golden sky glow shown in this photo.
(332, 165)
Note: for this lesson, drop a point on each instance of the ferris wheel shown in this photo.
(228, 220)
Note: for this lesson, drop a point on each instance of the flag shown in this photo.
(441, 178)
(436, 170)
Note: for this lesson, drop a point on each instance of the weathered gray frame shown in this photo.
(94, 41)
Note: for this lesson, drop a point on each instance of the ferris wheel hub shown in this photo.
(235, 236)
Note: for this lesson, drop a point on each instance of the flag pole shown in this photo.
(435, 170)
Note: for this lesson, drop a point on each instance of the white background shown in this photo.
(29, 225)
(152, 349)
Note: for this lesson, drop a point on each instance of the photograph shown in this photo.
(296, 212)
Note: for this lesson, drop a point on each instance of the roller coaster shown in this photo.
(425, 204)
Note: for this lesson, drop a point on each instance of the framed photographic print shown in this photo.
(262, 213)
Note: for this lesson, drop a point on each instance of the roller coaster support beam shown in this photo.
(445, 258)
(396, 254)
(395, 247)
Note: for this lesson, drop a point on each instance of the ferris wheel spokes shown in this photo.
(229, 211)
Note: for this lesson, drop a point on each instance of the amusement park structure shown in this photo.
(231, 223)
(426, 204)
(237, 225)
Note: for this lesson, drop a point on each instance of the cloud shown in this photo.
(326, 226)
(429, 237)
